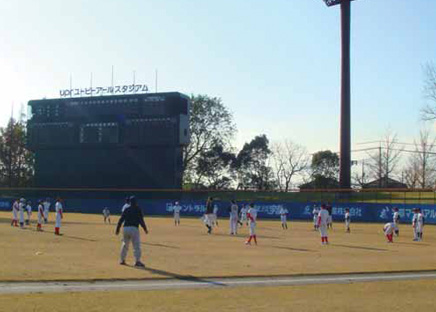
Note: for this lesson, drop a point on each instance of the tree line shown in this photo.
(210, 161)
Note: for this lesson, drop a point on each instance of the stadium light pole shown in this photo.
(345, 132)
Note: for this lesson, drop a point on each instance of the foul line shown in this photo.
(56, 287)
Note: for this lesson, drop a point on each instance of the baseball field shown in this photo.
(88, 250)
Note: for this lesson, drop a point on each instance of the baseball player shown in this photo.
(243, 217)
(59, 216)
(252, 217)
(322, 222)
(215, 215)
(28, 212)
(330, 219)
(15, 210)
(41, 215)
(208, 216)
(396, 220)
(233, 218)
(126, 204)
(418, 224)
(176, 209)
(46, 205)
(315, 213)
(132, 217)
(21, 207)
(347, 220)
(107, 215)
(389, 229)
(283, 214)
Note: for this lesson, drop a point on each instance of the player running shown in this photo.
(322, 222)
(283, 216)
(252, 217)
(176, 209)
(106, 215)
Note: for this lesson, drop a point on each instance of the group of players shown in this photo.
(392, 228)
(21, 207)
(322, 220)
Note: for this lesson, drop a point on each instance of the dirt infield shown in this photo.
(89, 250)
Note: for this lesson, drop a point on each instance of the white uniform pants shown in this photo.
(58, 220)
(315, 220)
(21, 216)
(347, 224)
(233, 224)
(208, 220)
(39, 218)
(177, 217)
(131, 234)
(46, 213)
(252, 228)
(283, 218)
(323, 230)
(14, 215)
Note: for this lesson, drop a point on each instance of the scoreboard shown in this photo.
(121, 141)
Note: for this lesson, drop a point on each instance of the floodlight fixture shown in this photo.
(334, 2)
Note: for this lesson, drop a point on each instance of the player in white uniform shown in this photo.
(59, 216)
(243, 217)
(21, 208)
(46, 205)
(396, 220)
(315, 213)
(15, 210)
(252, 217)
(323, 218)
(29, 212)
(176, 209)
(233, 218)
(389, 229)
(283, 216)
(41, 215)
(106, 215)
(347, 220)
(418, 224)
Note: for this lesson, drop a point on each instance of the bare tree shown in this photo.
(360, 176)
(289, 159)
(384, 162)
(420, 170)
(429, 111)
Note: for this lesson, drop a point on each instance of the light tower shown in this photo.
(345, 132)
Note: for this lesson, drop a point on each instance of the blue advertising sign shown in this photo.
(360, 212)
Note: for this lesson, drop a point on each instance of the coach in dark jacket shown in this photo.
(132, 218)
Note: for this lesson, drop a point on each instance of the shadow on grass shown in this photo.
(189, 278)
(292, 249)
(361, 247)
(160, 245)
(412, 244)
(61, 235)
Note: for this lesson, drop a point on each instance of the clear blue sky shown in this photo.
(275, 64)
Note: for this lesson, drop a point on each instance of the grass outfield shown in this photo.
(89, 250)
(407, 296)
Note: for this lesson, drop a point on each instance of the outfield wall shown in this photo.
(360, 212)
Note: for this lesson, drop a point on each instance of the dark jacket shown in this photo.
(132, 216)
